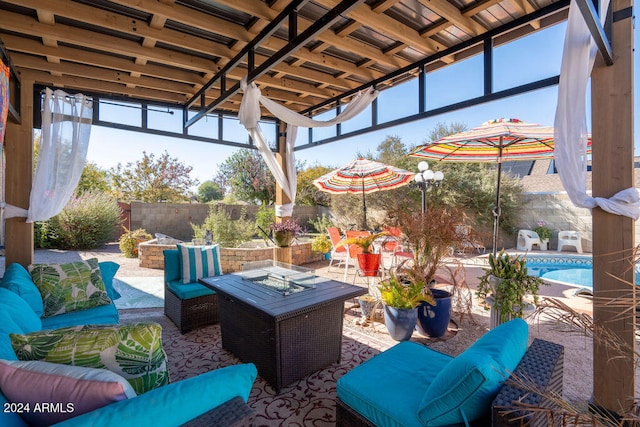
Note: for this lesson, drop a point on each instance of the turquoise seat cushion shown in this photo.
(189, 290)
(101, 315)
(388, 388)
(18, 309)
(108, 270)
(176, 403)
(18, 280)
(463, 390)
(10, 418)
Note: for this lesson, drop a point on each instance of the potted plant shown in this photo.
(544, 233)
(322, 245)
(284, 232)
(430, 237)
(504, 286)
(368, 261)
(400, 303)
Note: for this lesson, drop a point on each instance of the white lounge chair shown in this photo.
(527, 239)
(570, 238)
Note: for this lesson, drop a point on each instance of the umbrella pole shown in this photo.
(496, 210)
(364, 206)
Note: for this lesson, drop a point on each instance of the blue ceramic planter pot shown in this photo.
(400, 322)
(433, 320)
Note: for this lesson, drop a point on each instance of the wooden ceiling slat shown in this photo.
(170, 49)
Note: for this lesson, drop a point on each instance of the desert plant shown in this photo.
(510, 286)
(321, 223)
(543, 231)
(86, 222)
(363, 242)
(321, 244)
(224, 230)
(130, 240)
(397, 294)
(264, 217)
(430, 237)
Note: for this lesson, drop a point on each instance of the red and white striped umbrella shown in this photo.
(363, 176)
(494, 141)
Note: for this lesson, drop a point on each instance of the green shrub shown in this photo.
(130, 240)
(320, 224)
(227, 232)
(86, 222)
(264, 217)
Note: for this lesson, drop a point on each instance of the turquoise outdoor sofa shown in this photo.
(31, 387)
(412, 385)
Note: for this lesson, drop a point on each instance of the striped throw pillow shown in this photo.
(199, 261)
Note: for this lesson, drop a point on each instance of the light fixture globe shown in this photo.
(423, 166)
(428, 175)
(418, 178)
(438, 176)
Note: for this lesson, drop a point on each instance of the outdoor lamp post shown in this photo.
(424, 179)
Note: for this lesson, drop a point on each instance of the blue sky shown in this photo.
(528, 59)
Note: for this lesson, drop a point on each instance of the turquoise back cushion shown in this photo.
(18, 309)
(171, 265)
(18, 280)
(465, 388)
(197, 262)
(7, 326)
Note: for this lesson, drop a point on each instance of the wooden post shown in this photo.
(613, 235)
(282, 254)
(19, 175)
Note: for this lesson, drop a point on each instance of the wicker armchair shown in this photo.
(190, 310)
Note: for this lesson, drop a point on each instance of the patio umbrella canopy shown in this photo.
(496, 141)
(363, 176)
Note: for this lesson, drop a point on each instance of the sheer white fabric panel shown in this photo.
(249, 116)
(66, 128)
(571, 133)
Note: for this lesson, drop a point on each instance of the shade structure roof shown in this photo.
(194, 52)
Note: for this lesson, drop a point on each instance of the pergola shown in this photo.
(312, 56)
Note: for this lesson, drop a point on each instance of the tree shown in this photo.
(308, 194)
(93, 179)
(209, 191)
(164, 179)
(246, 174)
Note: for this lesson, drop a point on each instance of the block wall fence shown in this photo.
(555, 209)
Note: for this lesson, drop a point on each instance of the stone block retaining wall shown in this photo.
(150, 255)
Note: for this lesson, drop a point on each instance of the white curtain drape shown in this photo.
(571, 123)
(249, 115)
(66, 128)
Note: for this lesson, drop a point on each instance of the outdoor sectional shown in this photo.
(35, 391)
(412, 385)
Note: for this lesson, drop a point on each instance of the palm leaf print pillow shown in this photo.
(69, 287)
(133, 351)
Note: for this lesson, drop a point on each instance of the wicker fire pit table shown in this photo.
(283, 318)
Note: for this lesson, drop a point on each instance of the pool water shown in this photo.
(570, 270)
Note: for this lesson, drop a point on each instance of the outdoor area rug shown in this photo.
(308, 402)
(139, 292)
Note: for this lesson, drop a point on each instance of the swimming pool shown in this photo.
(564, 269)
(569, 270)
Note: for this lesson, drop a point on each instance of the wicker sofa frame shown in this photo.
(542, 364)
(190, 314)
(232, 413)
